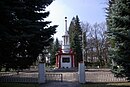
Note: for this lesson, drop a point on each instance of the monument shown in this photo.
(65, 55)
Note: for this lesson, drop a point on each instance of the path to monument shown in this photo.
(61, 84)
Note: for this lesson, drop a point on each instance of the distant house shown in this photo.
(65, 56)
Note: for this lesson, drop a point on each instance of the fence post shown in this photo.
(81, 73)
(61, 77)
(41, 73)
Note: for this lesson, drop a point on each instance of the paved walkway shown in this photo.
(60, 84)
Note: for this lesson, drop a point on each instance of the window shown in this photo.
(65, 59)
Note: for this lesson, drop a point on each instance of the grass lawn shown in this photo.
(127, 84)
(17, 85)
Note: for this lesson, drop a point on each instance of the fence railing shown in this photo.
(21, 77)
(18, 79)
(54, 77)
(103, 77)
(32, 77)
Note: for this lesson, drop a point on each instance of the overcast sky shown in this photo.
(90, 11)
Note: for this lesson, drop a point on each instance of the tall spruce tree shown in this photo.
(7, 18)
(118, 21)
(25, 31)
(54, 49)
(75, 34)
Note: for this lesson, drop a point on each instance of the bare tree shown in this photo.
(100, 43)
(85, 32)
(103, 44)
(96, 46)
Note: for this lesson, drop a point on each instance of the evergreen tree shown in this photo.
(75, 34)
(118, 21)
(25, 31)
(71, 31)
(7, 20)
(55, 48)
